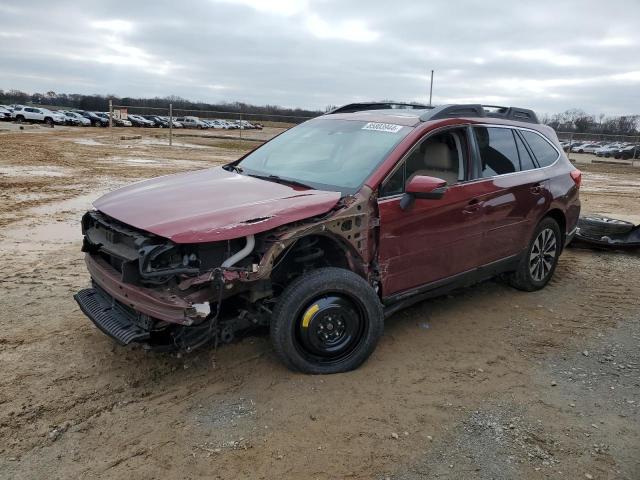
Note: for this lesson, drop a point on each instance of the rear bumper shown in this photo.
(156, 304)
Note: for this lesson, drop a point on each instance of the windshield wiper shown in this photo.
(277, 179)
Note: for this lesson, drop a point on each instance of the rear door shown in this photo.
(513, 191)
(432, 240)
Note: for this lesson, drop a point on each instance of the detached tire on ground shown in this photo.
(598, 226)
(541, 258)
(326, 321)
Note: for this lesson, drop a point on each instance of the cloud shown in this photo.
(351, 30)
(546, 55)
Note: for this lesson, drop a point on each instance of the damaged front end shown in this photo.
(143, 290)
(165, 295)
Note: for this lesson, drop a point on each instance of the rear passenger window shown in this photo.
(526, 162)
(498, 152)
(541, 148)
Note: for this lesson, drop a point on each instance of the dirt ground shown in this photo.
(487, 383)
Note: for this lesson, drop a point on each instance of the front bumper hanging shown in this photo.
(108, 317)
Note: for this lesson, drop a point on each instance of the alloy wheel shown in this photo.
(543, 254)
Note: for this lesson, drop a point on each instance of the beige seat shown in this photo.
(438, 162)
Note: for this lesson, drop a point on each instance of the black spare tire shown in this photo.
(326, 321)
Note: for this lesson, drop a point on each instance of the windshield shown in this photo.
(325, 154)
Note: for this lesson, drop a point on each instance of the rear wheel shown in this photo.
(326, 321)
(539, 262)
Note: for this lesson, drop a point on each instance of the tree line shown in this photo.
(578, 121)
(100, 103)
(574, 120)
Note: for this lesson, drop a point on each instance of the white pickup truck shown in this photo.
(41, 115)
(191, 122)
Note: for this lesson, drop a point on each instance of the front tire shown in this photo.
(326, 321)
(541, 258)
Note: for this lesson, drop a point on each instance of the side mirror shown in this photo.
(422, 187)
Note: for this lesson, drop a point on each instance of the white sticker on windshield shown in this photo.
(382, 127)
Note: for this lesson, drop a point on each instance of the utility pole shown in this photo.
(431, 89)
(111, 119)
(170, 124)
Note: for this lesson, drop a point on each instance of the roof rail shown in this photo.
(477, 110)
(363, 106)
(512, 113)
(452, 111)
(445, 111)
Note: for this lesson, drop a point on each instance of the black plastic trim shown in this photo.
(401, 300)
(476, 110)
(108, 318)
(364, 106)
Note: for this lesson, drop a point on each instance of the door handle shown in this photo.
(472, 207)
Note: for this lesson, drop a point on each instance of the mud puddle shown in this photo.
(53, 225)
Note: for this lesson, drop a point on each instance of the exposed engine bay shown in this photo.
(169, 295)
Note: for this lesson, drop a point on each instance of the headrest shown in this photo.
(438, 155)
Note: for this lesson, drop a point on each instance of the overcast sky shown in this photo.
(547, 55)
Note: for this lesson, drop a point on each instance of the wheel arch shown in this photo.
(559, 217)
(337, 252)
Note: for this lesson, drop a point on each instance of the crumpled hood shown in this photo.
(212, 205)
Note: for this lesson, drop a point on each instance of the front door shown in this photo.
(431, 240)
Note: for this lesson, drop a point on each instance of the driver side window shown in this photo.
(442, 155)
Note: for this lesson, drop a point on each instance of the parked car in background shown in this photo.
(95, 119)
(120, 122)
(69, 119)
(608, 150)
(5, 113)
(175, 123)
(191, 122)
(38, 115)
(246, 125)
(568, 144)
(157, 121)
(219, 125)
(140, 121)
(579, 148)
(327, 229)
(231, 124)
(83, 121)
(628, 152)
(590, 148)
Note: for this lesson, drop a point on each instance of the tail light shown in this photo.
(576, 175)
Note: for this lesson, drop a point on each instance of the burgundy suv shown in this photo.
(322, 232)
